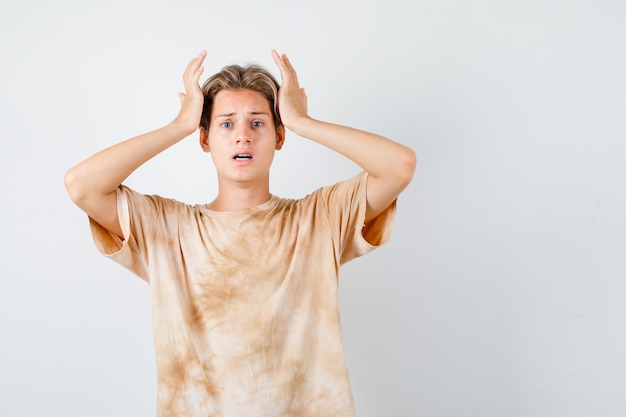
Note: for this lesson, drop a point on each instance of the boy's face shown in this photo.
(242, 136)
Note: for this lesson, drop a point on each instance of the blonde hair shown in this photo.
(233, 77)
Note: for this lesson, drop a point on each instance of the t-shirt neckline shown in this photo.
(255, 209)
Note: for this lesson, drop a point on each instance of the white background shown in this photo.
(502, 290)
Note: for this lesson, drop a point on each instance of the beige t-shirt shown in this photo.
(245, 304)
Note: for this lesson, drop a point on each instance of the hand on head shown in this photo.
(192, 100)
(292, 99)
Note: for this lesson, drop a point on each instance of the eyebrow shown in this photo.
(254, 113)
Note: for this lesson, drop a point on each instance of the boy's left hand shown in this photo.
(292, 100)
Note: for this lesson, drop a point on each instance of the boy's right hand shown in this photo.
(192, 100)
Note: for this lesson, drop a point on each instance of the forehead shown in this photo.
(241, 100)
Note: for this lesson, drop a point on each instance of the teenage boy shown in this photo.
(244, 289)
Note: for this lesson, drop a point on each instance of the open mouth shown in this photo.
(242, 156)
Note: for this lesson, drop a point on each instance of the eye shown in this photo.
(227, 125)
(257, 123)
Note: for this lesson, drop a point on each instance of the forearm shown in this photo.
(379, 156)
(103, 172)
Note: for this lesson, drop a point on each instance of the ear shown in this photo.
(280, 137)
(204, 140)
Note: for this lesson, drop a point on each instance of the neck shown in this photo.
(234, 198)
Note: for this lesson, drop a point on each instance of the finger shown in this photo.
(195, 65)
(198, 73)
(276, 56)
(197, 61)
(279, 63)
(286, 69)
(287, 62)
(202, 55)
(200, 58)
(192, 74)
(289, 67)
(181, 96)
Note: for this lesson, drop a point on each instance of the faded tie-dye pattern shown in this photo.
(245, 304)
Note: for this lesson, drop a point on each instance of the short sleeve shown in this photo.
(140, 216)
(345, 204)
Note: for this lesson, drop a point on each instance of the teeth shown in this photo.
(243, 156)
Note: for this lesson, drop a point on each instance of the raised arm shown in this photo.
(389, 164)
(92, 183)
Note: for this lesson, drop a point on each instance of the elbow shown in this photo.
(73, 187)
(406, 164)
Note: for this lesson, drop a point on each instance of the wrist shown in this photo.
(181, 128)
(299, 124)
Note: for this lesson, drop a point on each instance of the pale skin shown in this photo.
(241, 122)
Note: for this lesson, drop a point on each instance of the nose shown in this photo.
(243, 134)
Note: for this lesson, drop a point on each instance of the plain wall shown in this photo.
(501, 292)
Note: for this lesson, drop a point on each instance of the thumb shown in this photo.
(181, 96)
